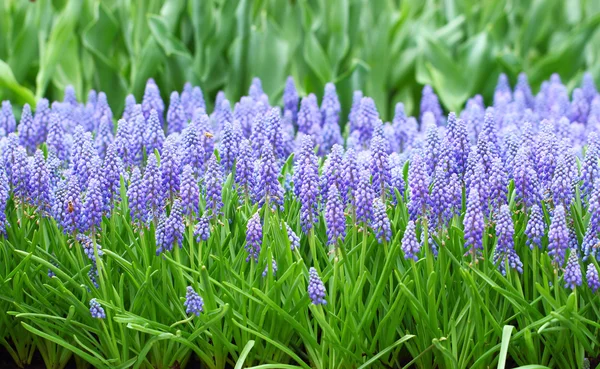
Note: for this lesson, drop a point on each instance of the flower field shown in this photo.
(255, 235)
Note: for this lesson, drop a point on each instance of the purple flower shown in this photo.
(170, 168)
(154, 136)
(104, 136)
(366, 119)
(82, 153)
(125, 143)
(505, 250)
(592, 277)
(381, 223)
(39, 183)
(397, 177)
(353, 115)
(56, 136)
(244, 168)
(192, 149)
(202, 229)
(255, 91)
(351, 176)
(41, 121)
(274, 133)
(441, 198)
(562, 183)
(331, 101)
(589, 169)
(193, 302)
(306, 183)
(91, 216)
(418, 184)
(232, 136)
(244, 113)
(572, 276)
(430, 103)
(152, 101)
(259, 134)
(268, 188)
(316, 288)
(4, 195)
(473, 223)
(254, 237)
(20, 174)
(410, 243)
(332, 171)
(290, 98)
(334, 217)
(176, 118)
(273, 268)
(152, 187)
(170, 230)
(306, 116)
(136, 138)
(8, 123)
(558, 236)
(292, 237)
(190, 193)
(70, 207)
(196, 102)
(27, 129)
(525, 178)
(96, 310)
(136, 198)
(213, 180)
(129, 106)
(535, 228)
(497, 183)
(111, 177)
(380, 166)
(432, 149)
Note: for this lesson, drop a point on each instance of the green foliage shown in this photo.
(390, 49)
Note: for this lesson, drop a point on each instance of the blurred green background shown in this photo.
(387, 48)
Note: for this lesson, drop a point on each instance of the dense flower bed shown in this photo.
(269, 235)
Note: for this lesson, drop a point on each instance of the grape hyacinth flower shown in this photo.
(334, 217)
(535, 228)
(525, 178)
(306, 183)
(176, 118)
(591, 276)
(228, 149)
(8, 124)
(136, 198)
(170, 232)
(273, 268)
(104, 136)
(366, 119)
(152, 187)
(154, 136)
(380, 167)
(418, 184)
(88, 247)
(4, 195)
(290, 98)
(202, 229)
(129, 106)
(590, 169)
(316, 288)
(306, 118)
(152, 101)
(292, 237)
(192, 149)
(332, 171)
(96, 310)
(410, 243)
(364, 199)
(170, 168)
(39, 183)
(562, 184)
(473, 223)
(41, 120)
(430, 103)
(55, 141)
(381, 223)
(213, 181)
(259, 134)
(190, 193)
(558, 237)
(93, 207)
(274, 133)
(331, 101)
(27, 130)
(351, 176)
(71, 206)
(112, 167)
(254, 237)
(269, 190)
(244, 168)
(193, 302)
(572, 276)
(505, 250)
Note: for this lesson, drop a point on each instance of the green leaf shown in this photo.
(8, 81)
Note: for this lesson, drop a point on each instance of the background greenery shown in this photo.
(387, 48)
